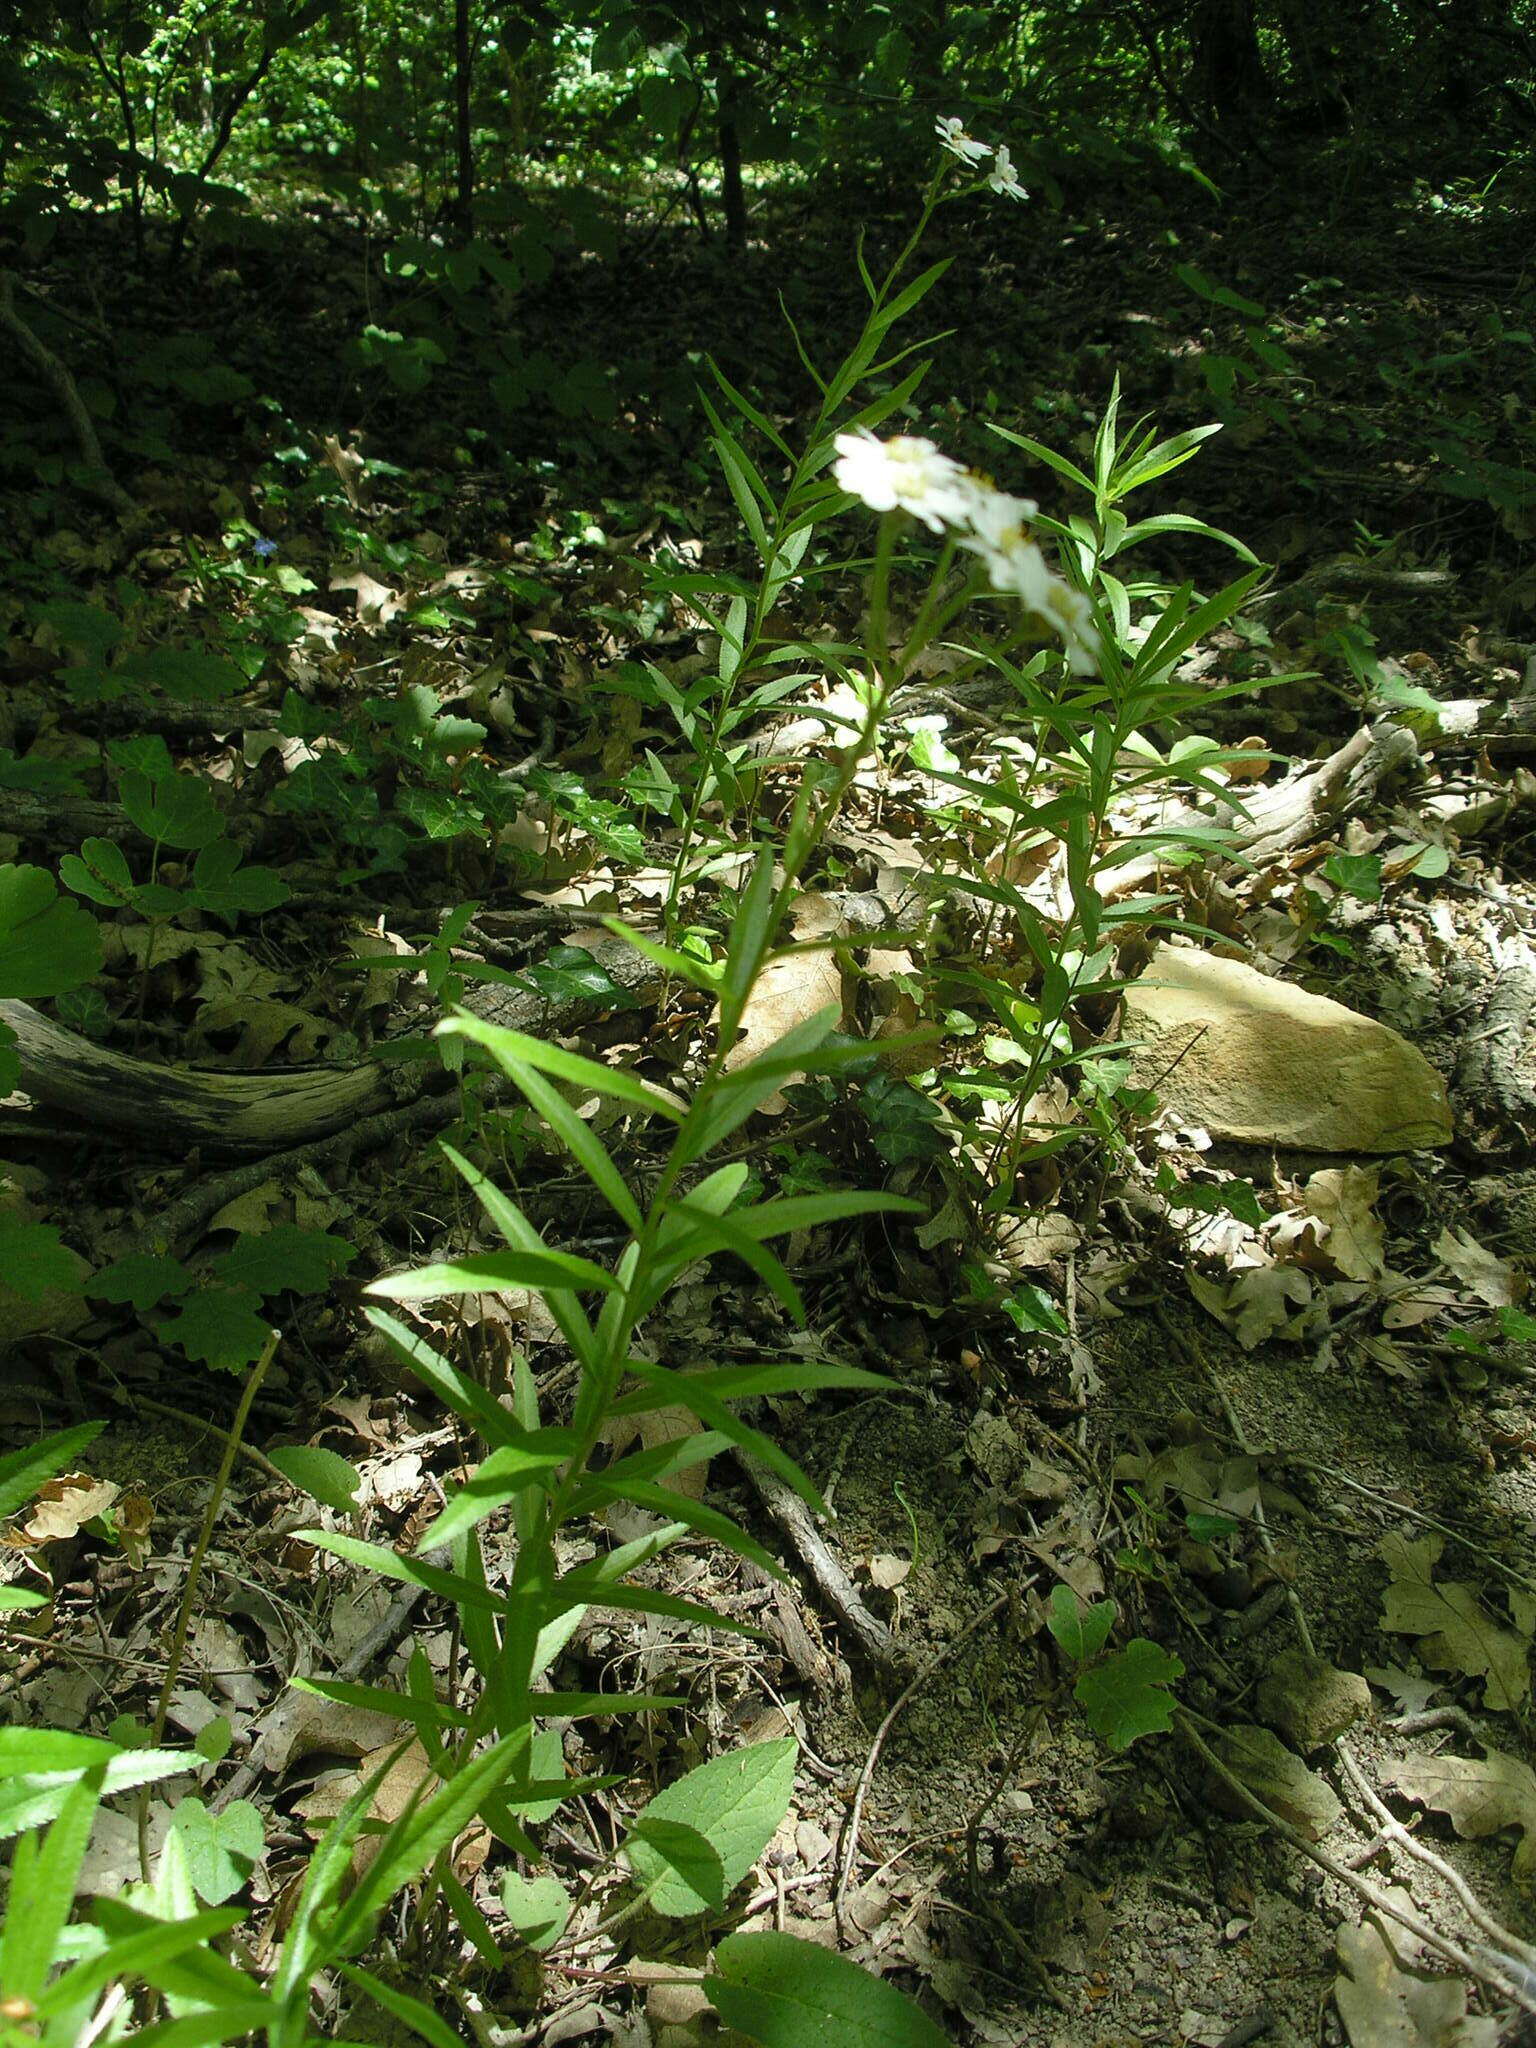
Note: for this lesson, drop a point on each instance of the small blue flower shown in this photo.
(264, 550)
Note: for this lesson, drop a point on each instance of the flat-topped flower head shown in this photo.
(1003, 177)
(907, 472)
(950, 130)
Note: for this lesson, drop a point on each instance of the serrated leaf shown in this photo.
(787, 1993)
(142, 1279)
(1125, 1697)
(284, 1260)
(732, 1804)
(48, 944)
(218, 1326)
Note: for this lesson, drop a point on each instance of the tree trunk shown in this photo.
(732, 196)
(1227, 72)
(463, 98)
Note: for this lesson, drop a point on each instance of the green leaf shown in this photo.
(788, 1993)
(537, 1907)
(219, 1327)
(403, 2006)
(48, 944)
(34, 1260)
(468, 1400)
(226, 888)
(507, 1047)
(1081, 1631)
(99, 871)
(323, 1474)
(389, 1564)
(509, 1470)
(179, 811)
(1357, 874)
(1125, 1697)
(734, 1803)
(222, 1848)
(143, 1278)
(493, 1273)
(284, 1260)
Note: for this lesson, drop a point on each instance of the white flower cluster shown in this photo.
(913, 475)
(967, 150)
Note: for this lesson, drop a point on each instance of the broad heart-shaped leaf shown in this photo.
(217, 1326)
(35, 1259)
(23, 1472)
(1081, 1631)
(100, 871)
(788, 1993)
(537, 1907)
(284, 1260)
(222, 1849)
(1124, 1697)
(733, 1804)
(178, 811)
(47, 942)
(324, 1475)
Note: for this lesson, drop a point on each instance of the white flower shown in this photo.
(908, 472)
(1016, 566)
(1004, 178)
(950, 130)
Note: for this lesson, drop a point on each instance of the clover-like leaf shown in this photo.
(222, 885)
(176, 810)
(99, 871)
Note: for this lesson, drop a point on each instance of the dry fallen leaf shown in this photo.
(1386, 2003)
(789, 990)
(1343, 1197)
(1482, 1795)
(1456, 1631)
(64, 1506)
(1479, 1270)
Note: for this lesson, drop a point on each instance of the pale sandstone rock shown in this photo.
(1253, 1058)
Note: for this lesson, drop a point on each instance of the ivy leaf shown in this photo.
(1357, 874)
(284, 1260)
(190, 675)
(218, 1326)
(142, 1278)
(1124, 1698)
(697, 1839)
(48, 944)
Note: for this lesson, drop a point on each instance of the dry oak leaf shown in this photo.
(791, 989)
(1343, 1197)
(1481, 1795)
(1490, 1278)
(1455, 1630)
(1385, 2003)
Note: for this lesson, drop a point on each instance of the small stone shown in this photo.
(1253, 1058)
(1310, 1701)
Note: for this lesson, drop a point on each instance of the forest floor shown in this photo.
(1342, 1465)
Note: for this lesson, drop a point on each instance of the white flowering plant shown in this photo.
(968, 569)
